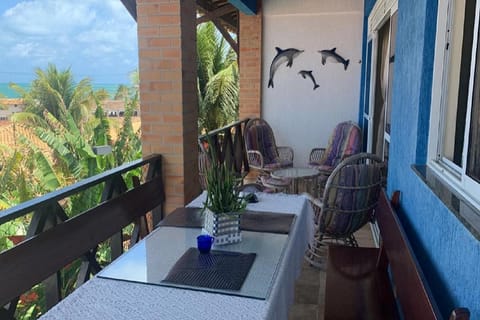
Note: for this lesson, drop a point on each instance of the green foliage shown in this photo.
(128, 145)
(222, 192)
(7, 229)
(217, 72)
(59, 113)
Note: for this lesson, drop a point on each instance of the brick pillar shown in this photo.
(168, 93)
(250, 47)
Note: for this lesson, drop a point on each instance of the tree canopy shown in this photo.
(217, 71)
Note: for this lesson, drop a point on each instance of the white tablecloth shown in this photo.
(104, 299)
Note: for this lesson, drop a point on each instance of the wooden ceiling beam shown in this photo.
(226, 34)
(206, 6)
(217, 13)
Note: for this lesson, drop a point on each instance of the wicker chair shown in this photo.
(349, 200)
(346, 140)
(262, 151)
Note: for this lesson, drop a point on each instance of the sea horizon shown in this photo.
(9, 93)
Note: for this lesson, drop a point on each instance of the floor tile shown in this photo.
(310, 286)
(307, 294)
(303, 312)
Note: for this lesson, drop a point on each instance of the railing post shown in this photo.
(155, 169)
(113, 188)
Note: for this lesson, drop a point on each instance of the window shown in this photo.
(382, 29)
(454, 149)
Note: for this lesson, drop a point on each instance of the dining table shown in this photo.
(143, 282)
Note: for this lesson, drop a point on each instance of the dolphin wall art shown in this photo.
(308, 73)
(334, 56)
(282, 56)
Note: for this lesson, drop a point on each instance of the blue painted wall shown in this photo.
(447, 251)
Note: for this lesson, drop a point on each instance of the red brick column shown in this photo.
(250, 47)
(168, 93)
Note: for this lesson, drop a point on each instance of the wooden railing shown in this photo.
(54, 240)
(230, 146)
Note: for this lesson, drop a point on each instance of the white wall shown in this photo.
(301, 117)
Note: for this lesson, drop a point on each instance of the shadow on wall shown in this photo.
(446, 303)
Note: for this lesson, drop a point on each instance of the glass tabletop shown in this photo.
(295, 173)
(150, 260)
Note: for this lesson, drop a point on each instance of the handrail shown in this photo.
(30, 205)
(229, 144)
(222, 129)
(56, 239)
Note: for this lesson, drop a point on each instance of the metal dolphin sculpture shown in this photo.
(335, 56)
(308, 73)
(282, 56)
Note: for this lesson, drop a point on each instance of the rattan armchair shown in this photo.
(345, 140)
(262, 151)
(349, 200)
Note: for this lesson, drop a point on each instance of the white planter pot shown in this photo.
(225, 228)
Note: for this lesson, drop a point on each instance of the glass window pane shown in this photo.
(473, 157)
(460, 48)
(393, 36)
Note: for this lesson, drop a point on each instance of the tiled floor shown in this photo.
(310, 286)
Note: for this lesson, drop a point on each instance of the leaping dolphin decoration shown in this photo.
(282, 56)
(308, 73)
(334, 56)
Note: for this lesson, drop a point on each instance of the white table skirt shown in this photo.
(113, 299)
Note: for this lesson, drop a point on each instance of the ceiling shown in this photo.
(221, 12)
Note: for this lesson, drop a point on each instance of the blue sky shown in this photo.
(95, 38)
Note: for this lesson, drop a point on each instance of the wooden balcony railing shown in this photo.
(230, 146)
(54, 240)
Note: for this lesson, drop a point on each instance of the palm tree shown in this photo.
(58, 116)
(217, 71)
(57, 92)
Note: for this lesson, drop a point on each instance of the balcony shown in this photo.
(443, 236)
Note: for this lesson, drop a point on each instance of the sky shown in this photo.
(96, 39)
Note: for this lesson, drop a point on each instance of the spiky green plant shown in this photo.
(223, 196)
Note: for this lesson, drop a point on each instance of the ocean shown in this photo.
(7, 92)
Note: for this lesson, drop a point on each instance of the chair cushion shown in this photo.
(349, 205)
(344, 141)
(277, 164)
(260, 138)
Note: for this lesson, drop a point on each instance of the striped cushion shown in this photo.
(344, 141)
(260, 138)
(349, 201)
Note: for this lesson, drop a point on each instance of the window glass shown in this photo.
(454, 147)
(459, 51)
(393, 36)
(473, 157)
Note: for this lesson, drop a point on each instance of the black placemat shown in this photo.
(215, 270)
(266, 222)
(184, 217)
(258, 221)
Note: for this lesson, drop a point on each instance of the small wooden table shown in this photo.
(297, 174)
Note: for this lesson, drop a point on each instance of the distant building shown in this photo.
(115, 108)
(9, 107)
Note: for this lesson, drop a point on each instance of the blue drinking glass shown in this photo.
(204, 243)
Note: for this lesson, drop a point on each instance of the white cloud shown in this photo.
(89, 35)
(48, 17)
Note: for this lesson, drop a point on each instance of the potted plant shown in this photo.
(224, 204)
